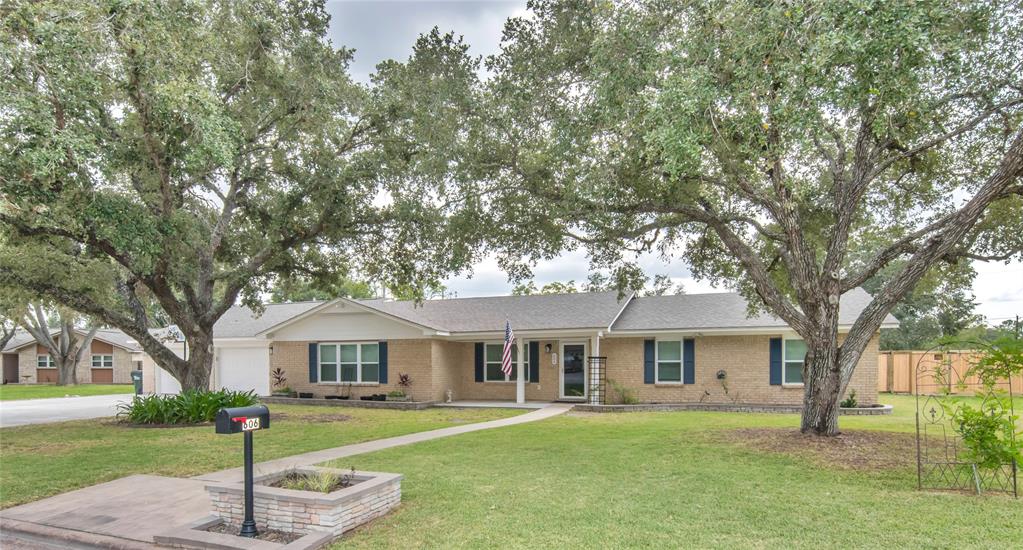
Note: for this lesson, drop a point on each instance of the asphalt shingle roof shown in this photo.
(535, 312)
(242, 322)
(113, 336)
(718, 310)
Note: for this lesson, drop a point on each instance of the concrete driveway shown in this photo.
(58, 409)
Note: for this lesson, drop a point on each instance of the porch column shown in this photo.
(520, 377)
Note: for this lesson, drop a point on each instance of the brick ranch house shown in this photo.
(684, 348)
(112, 357)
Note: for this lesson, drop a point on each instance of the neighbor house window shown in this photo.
(350, 362)
(44, 362)
(102, 361)
(669, 361)
(794, 354)
(493, 363)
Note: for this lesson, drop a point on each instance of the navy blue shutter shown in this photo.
(313, 360)
(688, 361)
(534, 362)
(775, 361)
(382, 357)
(479, 361)
(648, 361)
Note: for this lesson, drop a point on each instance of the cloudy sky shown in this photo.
(384, 29)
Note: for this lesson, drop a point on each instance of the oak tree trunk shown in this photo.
(196, 374)
(66, 370)
(822, 379)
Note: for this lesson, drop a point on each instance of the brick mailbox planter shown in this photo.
(371, 495)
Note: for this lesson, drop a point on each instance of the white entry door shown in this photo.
(573, 377)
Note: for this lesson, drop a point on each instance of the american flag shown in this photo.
(509, 337)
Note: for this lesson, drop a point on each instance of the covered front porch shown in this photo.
(547, 366)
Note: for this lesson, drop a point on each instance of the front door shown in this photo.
(573, 370)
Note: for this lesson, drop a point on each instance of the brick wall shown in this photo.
(412, 357)
(745, 359)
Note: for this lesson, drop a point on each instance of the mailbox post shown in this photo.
(245, 420)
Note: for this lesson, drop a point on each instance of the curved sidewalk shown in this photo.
(316, 457)
(128, 512)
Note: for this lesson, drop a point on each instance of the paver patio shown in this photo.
(128, 512)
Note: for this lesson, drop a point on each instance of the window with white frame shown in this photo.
(669, 361)
(102, 361)
(356, 362)
(794, 353)
(492, 364)
(44, 361)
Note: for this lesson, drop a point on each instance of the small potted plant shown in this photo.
(280, 383)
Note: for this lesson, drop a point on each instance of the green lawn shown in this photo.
(660, 480)
(39, 461)
(10, 392)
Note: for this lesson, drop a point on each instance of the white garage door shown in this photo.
(244, 369)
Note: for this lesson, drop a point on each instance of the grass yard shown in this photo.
(676, 479)
(43, 460)
(10, 392)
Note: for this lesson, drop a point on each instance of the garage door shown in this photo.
(244, 369)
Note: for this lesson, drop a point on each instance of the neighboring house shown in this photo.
(664, 349)
(112, 357)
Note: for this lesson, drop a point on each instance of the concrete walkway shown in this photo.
(58, 409)
(127, 512)
(316, 457)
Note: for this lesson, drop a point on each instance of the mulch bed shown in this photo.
(264, 534)
(852, 450)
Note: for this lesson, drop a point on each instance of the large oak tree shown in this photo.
(765, 141)
(183, 156)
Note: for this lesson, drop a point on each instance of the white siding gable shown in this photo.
(346, 325)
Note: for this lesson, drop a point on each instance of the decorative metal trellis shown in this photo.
(939, 448)
(598, 380)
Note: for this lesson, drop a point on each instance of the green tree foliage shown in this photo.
(186, 154)
(766, 141)
(305, 290)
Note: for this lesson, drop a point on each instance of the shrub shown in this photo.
(187, 407)
(849, 402)
(624, 395)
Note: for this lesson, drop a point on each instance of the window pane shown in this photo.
(793, 372)
(328, 373)
(349, 372)
(370, 372)
(97, 361)
(669, 351)
(795, 350)
(370, 353)
(494, 371)
(494, 352)
(669, 372)
(349, 353)
(328, 354)
(108, 361)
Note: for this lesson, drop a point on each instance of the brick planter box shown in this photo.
(372, 495)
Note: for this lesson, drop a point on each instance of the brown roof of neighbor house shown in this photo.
(113, 336)
(535, 312)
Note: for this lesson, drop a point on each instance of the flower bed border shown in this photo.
(725, 407)
(357, 403)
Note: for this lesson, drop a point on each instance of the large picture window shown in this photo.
(44, 361)
(102, 361)
(669, 361)
(492, 371)
(794, 355)
(356, 362)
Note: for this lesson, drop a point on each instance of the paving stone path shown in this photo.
(126, 513)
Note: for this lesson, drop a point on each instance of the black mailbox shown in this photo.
(243, 419)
